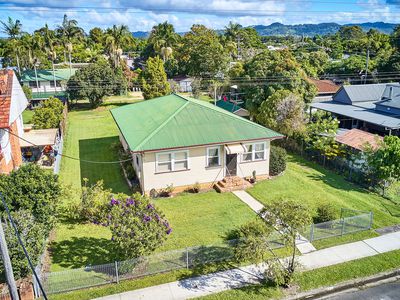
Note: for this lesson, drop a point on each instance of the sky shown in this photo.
(143, 14)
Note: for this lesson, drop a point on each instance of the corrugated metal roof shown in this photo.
(360, 113)
(47, 75)
(360, 93)
(229, 106)
(175, 121)
(357, 139)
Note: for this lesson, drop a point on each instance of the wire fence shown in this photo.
(90, 276)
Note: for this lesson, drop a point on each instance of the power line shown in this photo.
(71, 157)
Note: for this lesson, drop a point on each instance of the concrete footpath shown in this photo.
(239, 277)
(302, 244)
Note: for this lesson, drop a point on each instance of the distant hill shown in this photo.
(304, 29)
(314, 29)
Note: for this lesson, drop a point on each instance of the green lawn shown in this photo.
(196, 219)
(90, 136)
(311, 184)
(202, 219)
(27, 116)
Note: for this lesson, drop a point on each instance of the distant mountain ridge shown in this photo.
(304, 29)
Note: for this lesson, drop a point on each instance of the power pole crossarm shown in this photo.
(7, 265)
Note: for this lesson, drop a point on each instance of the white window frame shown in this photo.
(172, 161)
(253, 152)
(208, 156)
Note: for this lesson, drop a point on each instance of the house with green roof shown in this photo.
(45, 84)
(233, 107)
(182, 141)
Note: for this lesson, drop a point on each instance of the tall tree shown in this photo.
(68, 31)
(115, 38)
(96, 81)
(283, 111)
(13, 29)
(163, 39)
(274, 70)
(154, 79)
(49, 44)
(202, 53)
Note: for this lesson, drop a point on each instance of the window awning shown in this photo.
(235, 149)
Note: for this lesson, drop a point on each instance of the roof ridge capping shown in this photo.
(165, 122)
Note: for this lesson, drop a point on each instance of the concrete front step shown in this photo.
(233, 183)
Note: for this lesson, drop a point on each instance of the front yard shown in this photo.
(309, 183)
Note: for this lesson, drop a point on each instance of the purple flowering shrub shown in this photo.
(137, 226)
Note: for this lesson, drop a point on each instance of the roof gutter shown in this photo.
(209, 144)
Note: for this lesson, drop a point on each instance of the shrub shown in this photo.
(48, 115)
(94, 201)
(248, 241)
(32, 233)
(33, 189)
(325, 212)
(277, 161)
(167, 191)
(137, 226)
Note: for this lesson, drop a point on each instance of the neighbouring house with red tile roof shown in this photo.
(357, 139)
(325, 87)
(12, 103)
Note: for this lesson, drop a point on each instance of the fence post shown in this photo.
(343, 224)
(116, 272)
(187, 258)
(371, 217)
(312, 232)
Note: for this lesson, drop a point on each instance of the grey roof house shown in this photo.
(372, 107)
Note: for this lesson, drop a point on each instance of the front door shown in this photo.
(231, 164)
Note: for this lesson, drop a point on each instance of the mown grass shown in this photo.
(203, 219)
(310, 184)
(27, 116)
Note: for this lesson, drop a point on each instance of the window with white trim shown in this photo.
(254, 152)
(213, 157)
(172, 161)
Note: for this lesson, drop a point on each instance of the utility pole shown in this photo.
(7, 265)
(215, 93)
(239, 50)
(366, 67)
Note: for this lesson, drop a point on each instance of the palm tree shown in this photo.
(232, 31)
(115, 38)
(69, 31)
(49, 43)
(13, 29)
(162, 37)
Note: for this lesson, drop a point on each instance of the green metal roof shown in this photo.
(47, 75)
(229, 106)
(46, 95)
(175, 121)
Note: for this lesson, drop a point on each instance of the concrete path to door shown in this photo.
(302, 244)
(235, 278)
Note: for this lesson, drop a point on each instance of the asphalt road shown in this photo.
(387, 291)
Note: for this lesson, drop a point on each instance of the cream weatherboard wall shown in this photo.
(151, 178)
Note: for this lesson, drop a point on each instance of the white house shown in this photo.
(182, 141)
